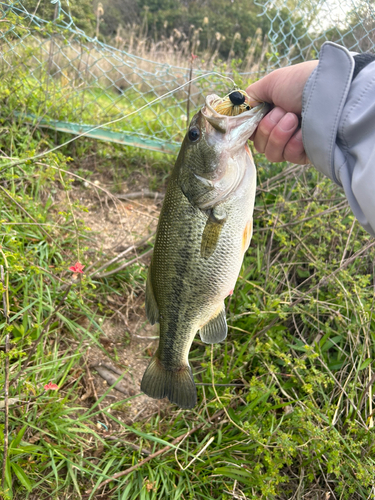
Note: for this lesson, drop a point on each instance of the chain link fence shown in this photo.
(56, 76)
(350, 23)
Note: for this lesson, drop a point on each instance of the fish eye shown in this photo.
(194, 134)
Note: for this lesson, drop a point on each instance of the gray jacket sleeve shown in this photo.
(338, 127)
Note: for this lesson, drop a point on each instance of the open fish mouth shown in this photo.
(236, 128)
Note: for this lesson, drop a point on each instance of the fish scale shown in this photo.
(203, 232)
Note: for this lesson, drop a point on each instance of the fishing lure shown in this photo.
(233, 104)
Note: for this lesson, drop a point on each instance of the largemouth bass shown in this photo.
(204, 230)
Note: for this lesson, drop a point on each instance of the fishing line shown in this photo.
(40, 155)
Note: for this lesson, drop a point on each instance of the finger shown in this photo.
(294, 151)
(253, 135)
(261, 90)
(266, 127)
(280, 136)
(283, 87)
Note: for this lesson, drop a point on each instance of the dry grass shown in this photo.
(132, 60)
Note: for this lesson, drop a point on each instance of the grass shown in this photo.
(58, 76)
(107, 93)
(300, 342)
(297, 424)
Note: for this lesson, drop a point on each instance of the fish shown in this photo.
(204, 230)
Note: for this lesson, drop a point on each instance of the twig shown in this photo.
(347, 241)
(131, 445)
(195, 457)
(145, 338)
(6, 401)
(219, 385)
(96, 187)
(110, 367)
(122, 254)
(372, 380)
(13, 401)
(126, 264)
(323, 281)
(145, 193)
(116, 382)
(217, 396)
(189, 89)
(71, 210)
(33, 349)
(156, 454)
(299, 221)
(288, 171)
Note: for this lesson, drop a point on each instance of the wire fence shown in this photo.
(56, 76)
(300, 35)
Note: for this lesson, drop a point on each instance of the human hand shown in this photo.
(279, 135)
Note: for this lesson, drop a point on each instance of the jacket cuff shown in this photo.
(323, 100)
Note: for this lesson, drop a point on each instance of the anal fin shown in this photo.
(152, 310)
(216, 329)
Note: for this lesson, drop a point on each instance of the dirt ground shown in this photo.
(128, 338)
(132, 360)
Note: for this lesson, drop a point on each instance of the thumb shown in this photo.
(260, 91)
(283, 87)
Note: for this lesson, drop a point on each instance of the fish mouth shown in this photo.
(237, 129)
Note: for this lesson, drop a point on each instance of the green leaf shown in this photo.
(25, 448)
(23, 479)
(16, 441)
(8, 478)
(235, 473)
(258, 400)
(330, 342)
(365, 364)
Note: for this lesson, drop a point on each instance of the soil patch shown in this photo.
(128, 339)
(129, 357)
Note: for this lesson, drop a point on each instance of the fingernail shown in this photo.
(276, 114)
(288, 122)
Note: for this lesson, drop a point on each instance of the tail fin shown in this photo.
(178, 386)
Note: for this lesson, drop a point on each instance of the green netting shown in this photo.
(63, 79)
(58, 77)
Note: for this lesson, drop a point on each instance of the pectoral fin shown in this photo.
(210, 238)
(211, 232)
(216, 329)
(152, 310)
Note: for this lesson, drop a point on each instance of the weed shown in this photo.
(297, 420)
